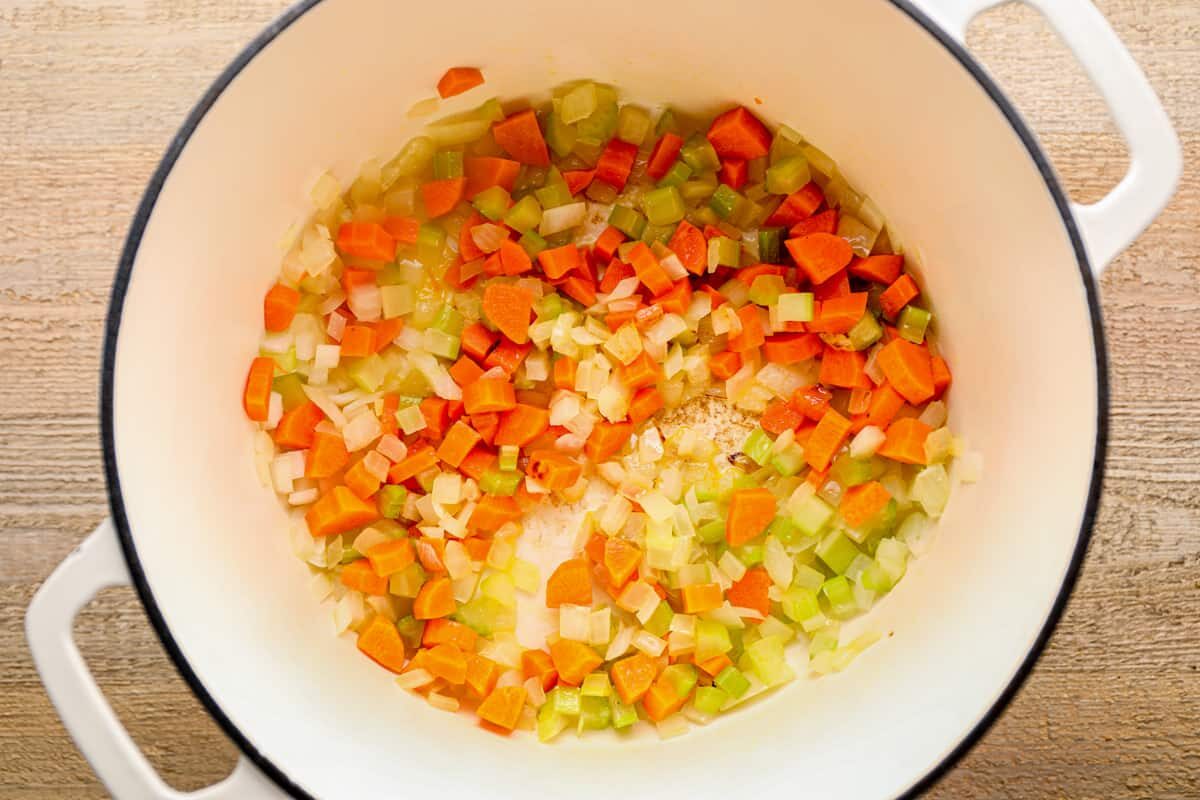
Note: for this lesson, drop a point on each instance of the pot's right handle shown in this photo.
(1155, 160)
(96, 564)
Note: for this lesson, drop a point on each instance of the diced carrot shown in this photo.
(840, 314)
(606, 244)
(380, 641)
(791, 348)
(256, 398)
(578, 179)
(326, 456)
(862, 503)
(457, 80)
(538, 664)
(482, 674)
(477, 463)
(431, 553)
(360, 481)
(883, 269)
(677, 300)
(747, 275)
(580, 289)
(571, 583)
(446, 661)
(661, 701)
(607, 439)
(558, 261)
(645, 404)
(337, 511)
(616, 162)
(564, 372)
(779, 417)
(733, 172)
(648, 270)
(750, 512)
(465, 371)
(725, 364)
(366, 240)
(905, 441)
(826, 439)
(642, 371)
(812, 402)
(402, 229)
(843, 368)
(358, 341)
(621, 559)
(908, 369)
(279, 307)
(739, 134)
(388, 558)
(359, 576)
(502, 707)
(894, 298)
(553, 469)
(492, 265)
(701, 597)
(492, 512)
(833, 287)
(457, 443)
(751, 591)
(633, 676)
(489, 394)
(797, 206)
(387, 418)
(820, 255)
(417, 461)
(715, 665)
(886, 402)
(573, 661)
(615, 320)
(386, 331)
(752, 334)
(520, 137)
(435, 410)
(434, 599)
(467, 249)
(297, 428)
(665, 151)
(441, 196)
(478, 341)
(940, 372)
(689, 244)
(484, 172)
(514, 260)
(825, 222)
(522, 424)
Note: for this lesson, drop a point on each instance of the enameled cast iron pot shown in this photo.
(884, 87)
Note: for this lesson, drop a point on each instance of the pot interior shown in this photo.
(906, 122)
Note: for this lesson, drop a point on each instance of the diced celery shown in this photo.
(660, 621)
(595, 713)
(441, 344)
(554, 194)
(788, 461)
(407, 582)
(565, 700)
(601, 124)
(712, 639)
(787, 143)
(627, 221)
(398, 301)
(663, 206)
(822, 642)
(699, 154)
(811, 515)
(808, 577)
(290, 388)
(549, 306)
(731, 681)
(913, 323)
(525, 575)
(508, 457)
(447, 164)
(532, 242)
(492, 202)
(367, 373)
(550, 723)
(766, 289)
(876, 578)
(500, 482)
(724, 252)
(709, 700)
(931, 488)
(837, 551)
(851, 472)
(391, 499)
(658, 233)
(769, 245)
(865, 332)
(411, 630)
(795, 307)
(596, 684)
(677, 175)
(681, 677)
(788, 175)
(431, 240)
(286, 362)
(524, 215)
(783, 529)
(712, 532)
(767, 659)
(666, 122)
(698, 191)
(799, 603)
(579, 103)
(623, 715)
(882, 523)
(758, 446)
(633, 124)
(486, 615)
(449, 320)
(724, 201)
(559, 135)
(840, 595)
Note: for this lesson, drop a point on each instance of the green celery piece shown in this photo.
(391, 500)
(866, 332)
(485, 616)
(596, 684)
(532, 242)
(579, 103)
(699, 154)
(769, 245)
(682, 678)
(731, 681)
(601, 125)
(658, 233)
(500, 482)
(550, 723)
(706, 491)
(712, 532)
(559, 135)
(724, 252)
(808, 578)
(508, 457)
(758, 446)
(660, 621)
(390, 275)
(709, 700)
(749, 554)
(799, 603)
(765, 289)
(447, 164)
(309, 303)
(821, 642)
(724, 201)
(811, 515)
(851, 472)
(492, 202)
(699, 191)
(743, 481)
(623, 715)
(789, 462)
(411, 630)
(549, 306)
(666, 122)
(913, 323)
(768, 661)
(663, 206)
(677, 175)
(349, 555)
(840, 595)
(633, 124)
(431, 240)
(627, 221)
(837, 551)
(290, 389)
(285, 362)
(712, 639)
(796, 306)
(787, 143)
(367, 373)
(788, 175)
(565, 700)
(595, 714)
(876, 578)
(524, 215)
(449, 320)
(554, 194)
(442, 344)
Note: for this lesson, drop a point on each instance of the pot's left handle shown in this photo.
(97, 564)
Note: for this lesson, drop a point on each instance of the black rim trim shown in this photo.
(125, 270)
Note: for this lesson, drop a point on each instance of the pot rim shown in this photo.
(125, 270)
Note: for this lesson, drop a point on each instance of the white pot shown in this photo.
(913, 121)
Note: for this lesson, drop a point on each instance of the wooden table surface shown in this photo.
(90, 93)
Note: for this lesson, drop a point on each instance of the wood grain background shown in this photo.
(92, 90)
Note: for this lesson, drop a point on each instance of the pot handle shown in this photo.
(1109, 225)
(97, 564)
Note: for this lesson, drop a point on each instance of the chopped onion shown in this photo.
(674, 267)
(934, 414)
(573, 622)
(488, 237)
(286, 468)
(414, 679)
(732, 566)
(620, 643)
(561, 218)
(534, 691)
(392, 448)
(672, 726)
(649, 644)
(366, 302)
(600, 626)
(866, 442)
(361, 431)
